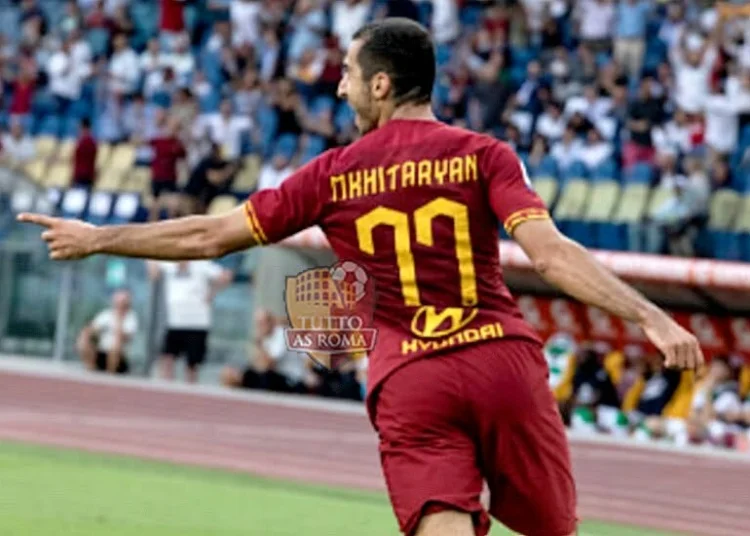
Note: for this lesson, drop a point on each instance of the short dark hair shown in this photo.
(402, 49)
(86, 123)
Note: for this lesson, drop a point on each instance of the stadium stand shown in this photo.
(522, 70)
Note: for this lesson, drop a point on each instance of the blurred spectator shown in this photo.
(72, 19)
(245, 16)
(568, 149)
(227, 129)
(212, 177)
(103, 344)
(17, 146)
(596, 150)
(273, 173)
(168, 151)
(723, 107)
(660, 385)
(273, 366)
(124, 67)
(24, 88)
(181, 60)
(84, 157)
(66, 76)
(190, 289)
(347, 17)
(595, 19)
(630, 34)
(692, 59)
(153, 59)
(645, 112)
(171, 21)
(681, 213)
(551, 124)
(716, 408)
(248, 96)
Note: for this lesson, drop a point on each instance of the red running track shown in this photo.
(333, 444)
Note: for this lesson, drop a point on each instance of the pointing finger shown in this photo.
(38, 219)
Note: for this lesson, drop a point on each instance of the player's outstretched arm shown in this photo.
(571, 268)
(193, 237)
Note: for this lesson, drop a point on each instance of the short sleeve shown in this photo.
(101, 321)
(277, 213)
(510, 191)
(130, 324)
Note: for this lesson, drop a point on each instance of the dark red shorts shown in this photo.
(485, 413)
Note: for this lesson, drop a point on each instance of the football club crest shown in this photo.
(330, 312)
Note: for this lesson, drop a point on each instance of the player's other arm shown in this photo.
(568, 266)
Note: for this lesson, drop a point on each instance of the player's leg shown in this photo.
(196, 353)
(522, 441)
(446, 523)
(427, 456)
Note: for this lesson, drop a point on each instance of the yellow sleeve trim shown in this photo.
(520, 216)
(254, 224)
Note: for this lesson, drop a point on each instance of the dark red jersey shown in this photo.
(418, 204)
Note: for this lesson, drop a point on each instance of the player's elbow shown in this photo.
(555, 256)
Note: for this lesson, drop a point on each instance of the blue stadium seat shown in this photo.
(322, 104)
(640, 173)
(315, 146)
(126, 208)
(74, 203)
(576, 170)
(547, 168)
(744, 240)
(610, 236)
(100, 207)
(607, 170)
(286, 145)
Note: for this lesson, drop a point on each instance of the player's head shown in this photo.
(389, 63)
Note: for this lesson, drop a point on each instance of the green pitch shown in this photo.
(65, 493)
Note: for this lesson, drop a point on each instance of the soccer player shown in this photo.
(457, 381)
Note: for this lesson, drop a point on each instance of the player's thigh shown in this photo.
(524, 448)
(428, 458)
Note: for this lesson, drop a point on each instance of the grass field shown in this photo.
(66, 493)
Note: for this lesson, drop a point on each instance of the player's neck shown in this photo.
(421, 112)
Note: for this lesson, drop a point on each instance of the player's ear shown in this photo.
(380, 86)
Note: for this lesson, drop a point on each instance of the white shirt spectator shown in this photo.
(290, 364)
(535, 10)
(124, 71)
(272, 177)
(594, 110)
(82, 57)
(348, 17)
(722, 116)
(245, 16)
(672, 137)
(105, 323)
(187, 293)
(566, 153)
(227, 132)
(596, 18)
(593, 154)
(17, 151)
(65, 76)
(150, 62)
(182, 63)
(445, 24)
(549, 127)
(692, 82)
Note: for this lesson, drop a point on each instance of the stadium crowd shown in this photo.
(632, 117)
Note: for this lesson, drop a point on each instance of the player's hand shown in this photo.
(679, 347)
(67, 239)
